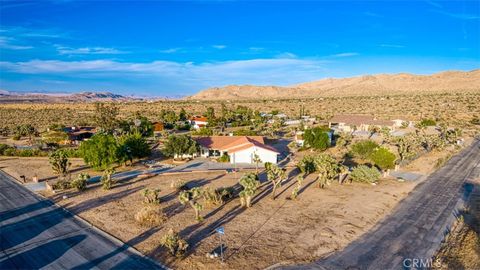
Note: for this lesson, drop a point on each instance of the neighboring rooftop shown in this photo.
(359, 120)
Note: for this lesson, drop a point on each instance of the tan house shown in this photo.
(350, 123)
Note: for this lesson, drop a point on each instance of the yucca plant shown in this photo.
(250, 184)
(191, 197)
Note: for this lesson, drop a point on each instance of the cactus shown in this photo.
(191, 197)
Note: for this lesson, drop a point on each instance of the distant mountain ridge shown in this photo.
(369, 85)
(11, 97)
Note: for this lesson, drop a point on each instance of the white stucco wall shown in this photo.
(246, 156)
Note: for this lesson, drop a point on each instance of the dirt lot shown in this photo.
(39, 166)
(319, 222)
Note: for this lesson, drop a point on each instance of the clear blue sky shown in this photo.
(159, 48)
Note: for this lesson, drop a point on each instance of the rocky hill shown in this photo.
(380, 84)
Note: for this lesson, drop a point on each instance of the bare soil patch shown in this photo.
(272, 231)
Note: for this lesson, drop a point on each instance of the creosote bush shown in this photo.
(150, 215)
(216, 197)
(365, 174)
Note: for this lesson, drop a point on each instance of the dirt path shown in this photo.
(414, 231)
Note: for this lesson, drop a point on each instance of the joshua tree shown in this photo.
(250, 183)
(276, 175)
(342, 173)
(175, 244)
(257, 160)
(151, 196)
(191, 197)
(297, 187)
(327, 168)
(59, 161)
(107, 180)
(81, 182)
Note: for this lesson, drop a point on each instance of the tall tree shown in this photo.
(179, 145)
(317, 138)
(100, 151)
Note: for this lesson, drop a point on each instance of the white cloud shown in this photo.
(87, 50)
(8, 43)
(282, 71)
(220, 47)
(392, 46)
(287, 55)
(346, 54)
(171, 50)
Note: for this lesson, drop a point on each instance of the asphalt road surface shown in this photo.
(410, 236)
(34, 234)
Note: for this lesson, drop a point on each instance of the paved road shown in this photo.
(416, 227)
(34, 234)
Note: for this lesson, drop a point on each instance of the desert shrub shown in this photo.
(365, 174)
(203, 131)
(151, 196)
(178, 185)
(10, 151)
(245, 132)
(383, 158)
(16, 137)
(150, 216)
(80, 183)
(3, 148)
(363, 149)
(216, 197)
(174, 243)
(427, 122)
(224, 158)
(62, 184)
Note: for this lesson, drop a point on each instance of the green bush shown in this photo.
(383, 158)
(4, 148)
(365, 174)
(364, 149)
(317, 138)
(224, 158)
(16, 137)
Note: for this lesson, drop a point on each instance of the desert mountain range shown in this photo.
(380, 84)
(12, 97)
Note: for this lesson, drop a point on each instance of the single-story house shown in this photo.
(78, 134)
(198, 122)
(240, 149)
(349, 123)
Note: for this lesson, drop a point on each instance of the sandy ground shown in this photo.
(272, 231)
(38, 166)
